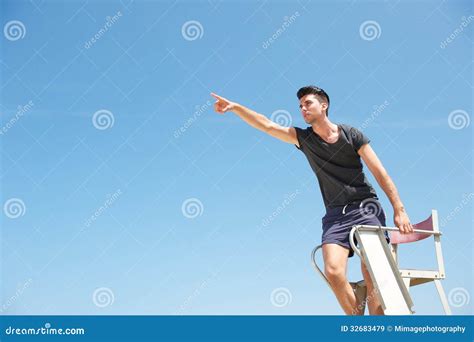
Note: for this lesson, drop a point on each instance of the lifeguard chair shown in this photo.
(381, 259)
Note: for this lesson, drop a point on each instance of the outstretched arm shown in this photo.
(400, 217)
(256, 120)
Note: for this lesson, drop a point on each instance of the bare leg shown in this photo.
(373, 303)
(335, 267)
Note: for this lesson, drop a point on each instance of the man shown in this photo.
(334, 152)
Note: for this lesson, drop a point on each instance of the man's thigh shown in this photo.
(335, 256)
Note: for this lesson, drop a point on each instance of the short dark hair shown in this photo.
(318, 92)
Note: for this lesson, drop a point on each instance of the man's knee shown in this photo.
(335, 273)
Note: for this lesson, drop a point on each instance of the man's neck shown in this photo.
(325, 128)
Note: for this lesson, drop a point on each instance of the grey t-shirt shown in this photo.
(337, 166)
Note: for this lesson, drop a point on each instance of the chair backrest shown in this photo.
(430, 224)
(398, 238)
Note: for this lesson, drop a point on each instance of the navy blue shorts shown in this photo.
(338, 221)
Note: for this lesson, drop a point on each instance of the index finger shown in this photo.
(217, 96)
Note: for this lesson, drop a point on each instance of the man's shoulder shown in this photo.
(350, 131)
(304, 136)
(303, 130)
(354, 135)
(346, 127)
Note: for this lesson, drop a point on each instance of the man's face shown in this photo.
(312, 109)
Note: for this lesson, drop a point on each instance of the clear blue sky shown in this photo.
(166, 146)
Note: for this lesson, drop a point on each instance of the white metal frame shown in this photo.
(413, 277)
(376, 255)
(410, 277)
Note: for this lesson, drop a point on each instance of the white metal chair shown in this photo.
(393, 283)
(413, 277)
